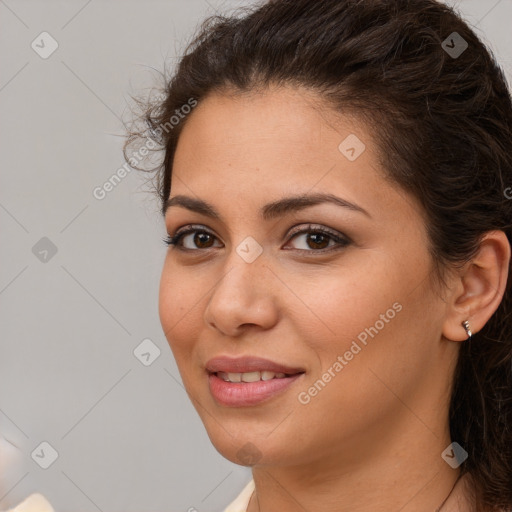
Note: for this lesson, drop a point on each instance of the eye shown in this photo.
(316, 239)
(202, 238)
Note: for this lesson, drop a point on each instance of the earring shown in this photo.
(465, 324)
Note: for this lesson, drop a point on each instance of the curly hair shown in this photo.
(442, 121)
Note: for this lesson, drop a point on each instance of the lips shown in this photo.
(248, 364)
(249, 381)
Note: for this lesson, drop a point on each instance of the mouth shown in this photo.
(243, 394)
(249, 368)
(247, 382)
(249, 377)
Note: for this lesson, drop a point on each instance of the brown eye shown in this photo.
(319, 239)
(202, 239)
(191, 239)
(314, 239)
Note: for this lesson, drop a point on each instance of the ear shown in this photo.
(478, 288)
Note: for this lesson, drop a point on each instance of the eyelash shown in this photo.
(342, 241)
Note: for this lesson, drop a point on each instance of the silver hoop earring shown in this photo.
(465, 324)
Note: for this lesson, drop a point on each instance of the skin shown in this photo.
(372, 438)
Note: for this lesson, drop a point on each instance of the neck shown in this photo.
(399, 479)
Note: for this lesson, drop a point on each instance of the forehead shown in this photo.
(293, 116)
(279, 133)
(258, 147)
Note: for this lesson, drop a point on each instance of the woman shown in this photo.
(336, 190)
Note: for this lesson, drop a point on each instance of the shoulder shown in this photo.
(242, 500)
(34, 503)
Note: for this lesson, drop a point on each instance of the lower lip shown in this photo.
(240, 394)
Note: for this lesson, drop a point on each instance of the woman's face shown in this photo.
(351, 308)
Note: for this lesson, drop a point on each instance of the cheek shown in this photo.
(380, 324)
(177, 305)
(373, 317)
(335, 307)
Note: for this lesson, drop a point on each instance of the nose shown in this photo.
(243, 298)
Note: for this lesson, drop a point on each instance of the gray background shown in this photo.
(126, 434)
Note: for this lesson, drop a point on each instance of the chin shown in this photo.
(249, 446)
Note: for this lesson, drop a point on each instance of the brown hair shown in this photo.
(444, 129)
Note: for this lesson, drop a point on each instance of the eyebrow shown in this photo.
(269, 211)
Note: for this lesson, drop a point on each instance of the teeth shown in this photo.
(249, 376)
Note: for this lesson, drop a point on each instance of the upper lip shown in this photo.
(248, 364)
